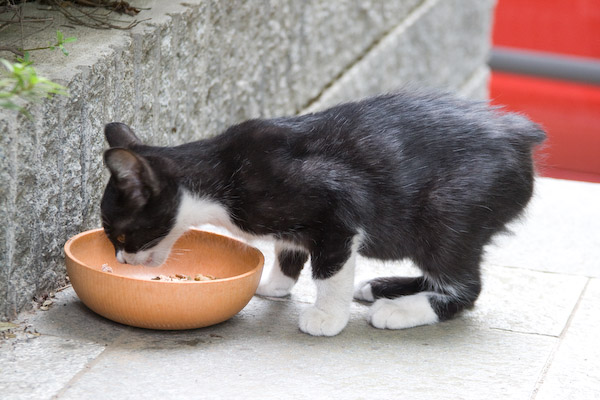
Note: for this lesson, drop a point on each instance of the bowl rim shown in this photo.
(255, 269)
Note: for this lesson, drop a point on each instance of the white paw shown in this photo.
(317, 322)
(363, 291)
(271, 290)
(403, 312)
(280, 287)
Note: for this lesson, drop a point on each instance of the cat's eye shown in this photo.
(121, 238)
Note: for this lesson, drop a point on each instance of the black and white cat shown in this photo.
(423, 176)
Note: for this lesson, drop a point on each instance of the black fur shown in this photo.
(291, 262)
(422, 176)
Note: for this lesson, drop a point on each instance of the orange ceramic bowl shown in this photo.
(129, 295)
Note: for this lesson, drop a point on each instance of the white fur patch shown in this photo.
(317, 322)
(363, 291)
(403, 312)
(192, 211)
(331, 311)
(275, 285)
(156, 255)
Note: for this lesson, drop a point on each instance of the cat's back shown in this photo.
(416, 118)
(440, 120)
(396, 133)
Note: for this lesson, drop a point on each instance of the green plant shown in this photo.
(60, 41)
(19, 80)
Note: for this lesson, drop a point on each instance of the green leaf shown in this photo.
(7, 65)
(25, 60)
(21, 81)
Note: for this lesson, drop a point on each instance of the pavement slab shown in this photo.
(575, 369)
(39, 367)
(560, 231)
(526, 301)
(445, 360)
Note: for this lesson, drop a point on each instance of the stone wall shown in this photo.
(190, 71)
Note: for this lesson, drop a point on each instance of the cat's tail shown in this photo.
(526, 139)
(523, 129)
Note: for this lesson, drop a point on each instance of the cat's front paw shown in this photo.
(317, 322)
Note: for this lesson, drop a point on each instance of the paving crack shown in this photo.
(550, 360)
(524, 332)
(88, 366)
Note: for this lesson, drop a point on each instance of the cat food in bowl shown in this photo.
(131, 294)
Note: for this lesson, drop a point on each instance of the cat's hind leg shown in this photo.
(389, 287)
(288, 264)
(398, 302)
(407, 302)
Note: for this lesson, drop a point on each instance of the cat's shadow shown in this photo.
(264, 318)
(69, 318)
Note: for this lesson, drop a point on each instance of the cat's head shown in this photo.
(140, 202)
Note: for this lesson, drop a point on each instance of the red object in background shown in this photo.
(570, 112)
(555, 26)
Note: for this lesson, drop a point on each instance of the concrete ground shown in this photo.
(533, 335)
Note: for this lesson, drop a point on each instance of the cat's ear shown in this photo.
(120, 135)
(133, 176)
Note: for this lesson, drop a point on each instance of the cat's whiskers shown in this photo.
(175, 254)
(151, 243)
(180, 252)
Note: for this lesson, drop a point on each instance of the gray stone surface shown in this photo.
(262, 354)
(293, 365)
(537, 238)
(509, 303)
(575, 369)
(38, 368)
(532, 335)
(190, 71)
(417, 51)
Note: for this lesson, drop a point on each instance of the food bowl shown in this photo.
(129, 295)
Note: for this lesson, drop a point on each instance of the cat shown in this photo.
(412, 174)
